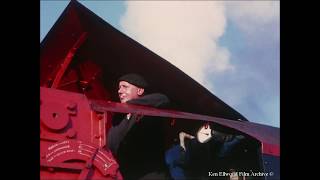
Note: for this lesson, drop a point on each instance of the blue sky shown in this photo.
(231, 48)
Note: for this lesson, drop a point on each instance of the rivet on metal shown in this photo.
(72, 106)
(100, 116)
(71, 133)
(51, 169)
(97, 136)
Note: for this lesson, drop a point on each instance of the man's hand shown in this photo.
(128, 116)
(183, 135)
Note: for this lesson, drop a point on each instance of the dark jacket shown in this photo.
(138, 144)
(200, 158)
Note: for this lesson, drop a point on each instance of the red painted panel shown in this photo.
(73, 138)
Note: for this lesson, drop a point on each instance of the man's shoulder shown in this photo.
(156, 96)
(154, 99)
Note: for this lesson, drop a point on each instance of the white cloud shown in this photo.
(251, 16)
(184, 33)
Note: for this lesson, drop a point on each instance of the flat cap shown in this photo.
(134, 79)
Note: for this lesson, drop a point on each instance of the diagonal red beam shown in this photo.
(267, 135)
(68, 59)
